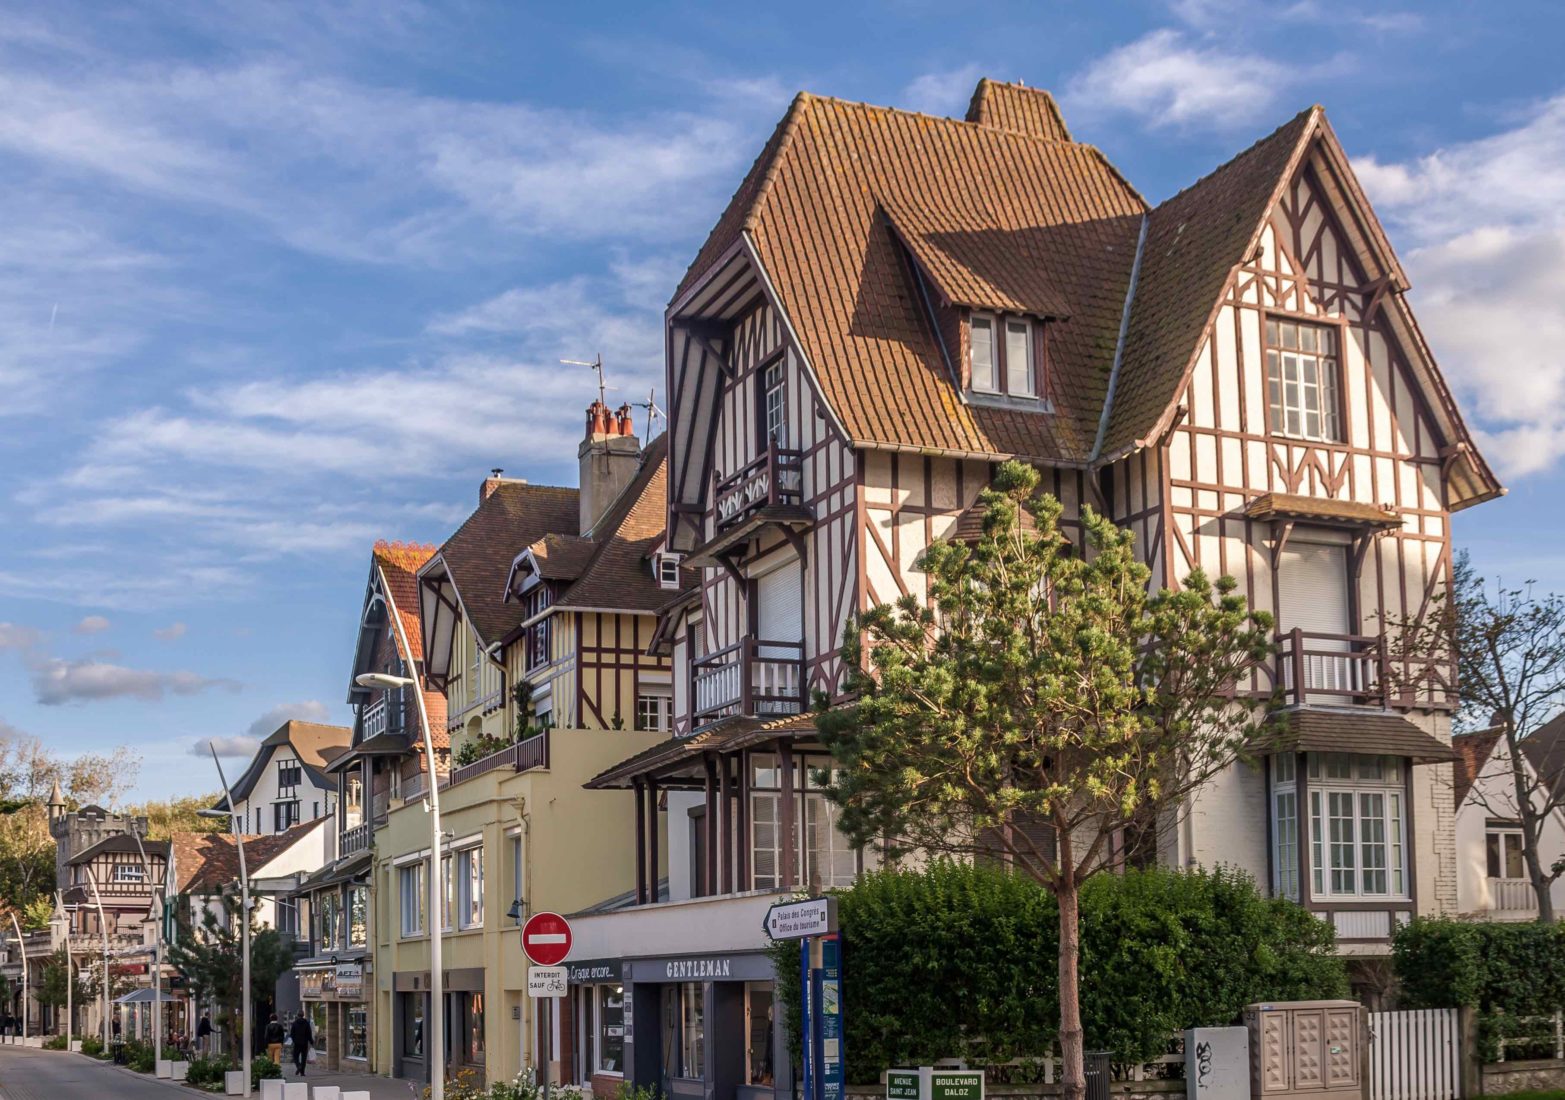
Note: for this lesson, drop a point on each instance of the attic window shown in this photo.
(666, 567)
(1003, 357)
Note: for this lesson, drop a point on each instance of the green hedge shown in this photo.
(960, 961)
(1506, 971)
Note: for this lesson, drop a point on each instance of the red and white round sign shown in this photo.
(546, 938)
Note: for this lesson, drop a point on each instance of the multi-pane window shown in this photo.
(822, 853)
(1301, 370)
(1285, 827)
(447, 893)
(609, 1029)
(1504, 853)
(414, 895)
(358, 1045)
(289, 775)
(775, 403)
(470, 883)
(286, 815)
(654, 712)
(129, 873)
(666, 566)
(1001, 355)
(1358, 830)
(358, 916)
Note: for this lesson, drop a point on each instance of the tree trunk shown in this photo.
(1072, 1050)
(1526, 812)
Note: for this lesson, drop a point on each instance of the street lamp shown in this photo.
(103, 929)
(157, 948)
(436, 1037)
(59, 901)
(244, 912)
(21, 946)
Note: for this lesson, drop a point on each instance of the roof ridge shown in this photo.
(784, 135)
(1041, 138)
(1314, 109)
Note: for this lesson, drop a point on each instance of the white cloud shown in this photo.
(237, 746)
(309, 710)
(942, 93)
(16, 636)
(92, 624)
(57, 681)
(1486, 219)
(1167, 79)
(171, 632)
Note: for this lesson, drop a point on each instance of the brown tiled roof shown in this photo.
(1368, 731)
(514, 515)
(619, 574)
(1472, 753)
(1194, 241)
(562, 557)
(1544, 749)
(399, 563)
(210, 861)
(1017, 107)
(1295, 506)
(816, 206)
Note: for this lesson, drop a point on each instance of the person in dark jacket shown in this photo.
(203, 1032)
(303, 1036)
(274, 1039)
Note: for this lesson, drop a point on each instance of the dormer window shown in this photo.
(666, 568)
(1001, 356)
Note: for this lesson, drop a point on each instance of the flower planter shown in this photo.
(234, 1082)
(178, 1070)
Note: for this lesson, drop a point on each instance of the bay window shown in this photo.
(1285, 827)
(822, 853)
(1358, 826)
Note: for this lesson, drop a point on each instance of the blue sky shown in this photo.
(276, 280)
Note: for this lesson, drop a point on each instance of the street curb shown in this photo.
(144, 1076)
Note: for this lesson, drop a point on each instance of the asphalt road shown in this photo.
(27, 1074)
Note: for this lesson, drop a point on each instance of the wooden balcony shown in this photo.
(379, 718)
(753, 678)
(356, 839)
(525, 755)
(776, 477)
(1332, 669)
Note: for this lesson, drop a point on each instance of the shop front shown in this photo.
(466, 1021)
(334, 1000)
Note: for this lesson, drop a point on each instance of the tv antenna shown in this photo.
(654, 413)
(597, 365)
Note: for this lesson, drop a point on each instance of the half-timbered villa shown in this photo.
(289, 779)
(892, 304)
(559, 605)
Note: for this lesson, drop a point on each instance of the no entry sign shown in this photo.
(546, 938)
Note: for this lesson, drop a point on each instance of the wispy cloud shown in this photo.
(1167, 78)
(942, 93)
(172, 632)
(18, 637)
(57, 681)
(92, 624)
(1487, 222)
(238, 746)
(308, 710)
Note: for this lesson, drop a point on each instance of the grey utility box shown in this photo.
(1308, 1050)
(1217, 1063)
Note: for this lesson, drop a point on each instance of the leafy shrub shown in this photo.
(1508, 972)
(139, 1056)
(207, 1071)
(261, 1068)
(92, 1046)
(54, 1042)
(961, 961)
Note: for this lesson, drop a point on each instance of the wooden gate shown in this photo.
(1415, 1055)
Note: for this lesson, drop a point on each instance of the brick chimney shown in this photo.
(609, 456)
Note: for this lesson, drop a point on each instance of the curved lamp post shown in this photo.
(436, 1037)
(21, 946)
(70, 1012)
(103, 928)
(244, 907)
(157, 949)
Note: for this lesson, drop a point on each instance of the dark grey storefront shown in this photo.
(704, 1027)
(464, 1021)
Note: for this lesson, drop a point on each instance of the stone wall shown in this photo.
(1121, 1090)
(1544, 1074)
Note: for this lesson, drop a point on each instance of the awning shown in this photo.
(727, 735)
(145, 995)
(382, 744)
(781, 515)
(1375, 732)
(1343, 513)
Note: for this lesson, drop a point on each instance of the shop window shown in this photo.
(358, 1033)
(758, 1001)
(692, 1037)
(608, 1029)
(413, 1025)
(358, 916)
(473, 1005)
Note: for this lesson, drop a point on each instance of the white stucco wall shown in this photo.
(1493, 796)
(256, 811)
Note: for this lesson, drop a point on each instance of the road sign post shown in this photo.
(546, 940)
(813, 922)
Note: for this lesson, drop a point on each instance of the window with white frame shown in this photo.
(1302, 383)
(328, 920)
(774, 403)
(1019, 380)
(1503, 852)
(666, 567)
(608, 1029)
(129, 873)
(514, 847)
(1358, 827)
(822, 852)
(654, 711)
(470, 884)
(983, 355)
(447, 893)
(1002, 358)
(414, 894)
(1285, 826)
(358, 916)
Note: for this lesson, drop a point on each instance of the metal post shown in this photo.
(244, 918)
(103, 929)
(437, 981)
(157, 951)
(21, 945)
(59, 900)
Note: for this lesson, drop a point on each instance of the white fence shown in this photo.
(1415, 1055)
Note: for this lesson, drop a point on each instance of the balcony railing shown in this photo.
(1332, 669)
(525, 755)
(753, 677)
(1513, 895)
(357, 839)
(776, 477)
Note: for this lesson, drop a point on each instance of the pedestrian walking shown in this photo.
(203, 1033)
(274, 1039)
(303, 1036)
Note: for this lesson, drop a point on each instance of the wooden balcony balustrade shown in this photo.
(1333, 669)
(753, 677)
(776, 477)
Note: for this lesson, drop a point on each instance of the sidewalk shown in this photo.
(379, 1088)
